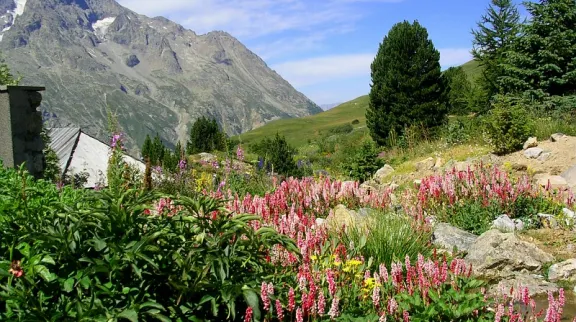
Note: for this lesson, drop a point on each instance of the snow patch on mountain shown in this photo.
(10, 16)
(100, 27)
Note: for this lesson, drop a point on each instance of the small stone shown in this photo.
(505, 224)
(557, 137)
(382, 173)
(556, 182)
(320, 221)
(531, 143)
(548, 220)
(439, 163)
(569, 213)
(426, 164)
(519, 167)
(544, 156)
(393, 186)
(533, 153)
(417, 182)
(564, 271)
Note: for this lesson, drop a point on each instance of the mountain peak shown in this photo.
(155, 74)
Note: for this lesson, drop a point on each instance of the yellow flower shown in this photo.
(313, 257)
(353, 262)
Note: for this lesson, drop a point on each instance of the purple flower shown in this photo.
(240, 153)
(182, 165)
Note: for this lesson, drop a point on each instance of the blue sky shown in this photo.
(324, 47)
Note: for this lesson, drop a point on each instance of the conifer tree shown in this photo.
(147, 148)
(205, 136)
(406, 84)
(458, 90)
(495, 34)
(543, 61)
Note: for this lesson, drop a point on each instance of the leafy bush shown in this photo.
(76, 255)
(355, 122)
(388, 237)
(364, 163)
(341, 129)
(509, 124)
(277, 155)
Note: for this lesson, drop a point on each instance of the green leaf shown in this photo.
(251, 298)
(129, 314)
(85, 282)
(45, 273)
(48, 260)
(69, 285)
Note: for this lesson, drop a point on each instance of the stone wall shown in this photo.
(20, 128)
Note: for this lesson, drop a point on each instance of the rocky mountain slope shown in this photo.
(155, 74)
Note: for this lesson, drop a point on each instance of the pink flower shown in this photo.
(299, 315)
(279, 311)
(392, 306)
(499, 313)
(333, 313)
(264, 296)
(321, 302)
(248, 314)
(291, 300)
(331, 282)
(406, 316)
(376, 296)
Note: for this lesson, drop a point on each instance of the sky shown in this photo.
(324, 48)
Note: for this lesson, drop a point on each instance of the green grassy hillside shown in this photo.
(298, 131)
(472, 70)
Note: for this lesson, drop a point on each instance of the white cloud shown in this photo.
(324, 69)
(253, 18)
(454, 56)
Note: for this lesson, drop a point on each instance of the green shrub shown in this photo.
(509, 124)
(79, 255)
(388, 237)
(364, 163)
(355, 122)
(341, 129)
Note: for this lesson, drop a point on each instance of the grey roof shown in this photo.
(63, 141)
(79, 152)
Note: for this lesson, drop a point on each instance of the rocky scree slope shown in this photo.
(157, 75)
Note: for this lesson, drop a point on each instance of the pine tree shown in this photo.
(543, 61)
(496, 33)
(280, 155)
(458, 90)
(205, 136)
(158, 150)
(406, 84)
(147, 148)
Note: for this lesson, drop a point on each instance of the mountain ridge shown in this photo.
(155, 74)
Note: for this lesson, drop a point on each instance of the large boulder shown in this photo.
(496, 255)
(505, 224)
(564, 271)
(344, 217)
(556, 182)
(570, 176)
(532, 142)
(557, 137)
(533, 153)
(536, 285)
(449, 237)
(383, 173)
(426, 164)
(504, 259)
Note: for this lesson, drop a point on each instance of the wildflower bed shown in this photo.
(122, 253)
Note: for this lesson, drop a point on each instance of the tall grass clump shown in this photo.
(388, 237)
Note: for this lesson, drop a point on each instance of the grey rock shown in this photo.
(557, 137)
(207, 157)
(536, 284)
(544, 156)
(505, 224)
(570, 176)
(549, 220)
(450, 237)
(530, 143)
(555, 182)
(187, 75)
(563, 271)
(382, 173)
(533, 153)
(426, 164)
(495, 255)
(132, 60)
(320, 222)
(568, 213)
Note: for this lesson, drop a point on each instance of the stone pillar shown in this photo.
(20, 128)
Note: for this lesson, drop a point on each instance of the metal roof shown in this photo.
(83, 153)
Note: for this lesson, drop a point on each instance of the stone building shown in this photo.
(20, 128)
